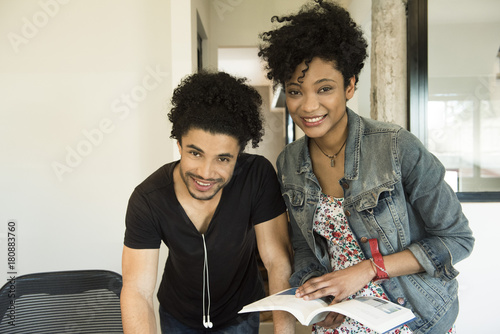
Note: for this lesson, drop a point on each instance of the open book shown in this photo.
(373, 312)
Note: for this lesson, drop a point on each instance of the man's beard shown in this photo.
(187, 177)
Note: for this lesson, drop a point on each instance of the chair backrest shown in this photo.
(83, 301)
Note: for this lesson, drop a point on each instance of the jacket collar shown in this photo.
(304, 163)
(353, 145)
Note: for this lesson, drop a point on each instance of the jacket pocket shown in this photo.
(381, 214)
(294, 198)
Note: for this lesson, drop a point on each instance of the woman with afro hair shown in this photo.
(369, 208)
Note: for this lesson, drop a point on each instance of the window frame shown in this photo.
(417, 83)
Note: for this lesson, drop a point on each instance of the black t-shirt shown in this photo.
(154, 214)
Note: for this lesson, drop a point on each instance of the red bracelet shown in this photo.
(378, 261)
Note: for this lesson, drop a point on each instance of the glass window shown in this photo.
(463, 111)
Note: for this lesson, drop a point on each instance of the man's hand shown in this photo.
(332, 320)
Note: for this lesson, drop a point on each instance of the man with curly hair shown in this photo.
(213, 208)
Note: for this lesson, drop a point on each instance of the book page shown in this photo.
(286, 301)
(376, 313)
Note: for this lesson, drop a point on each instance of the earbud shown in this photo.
(207, 323)
(206, 317)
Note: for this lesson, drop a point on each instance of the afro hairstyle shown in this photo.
(218, 103)
(320, 29)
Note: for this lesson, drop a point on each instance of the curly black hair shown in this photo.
(320, 29)
(218, 103)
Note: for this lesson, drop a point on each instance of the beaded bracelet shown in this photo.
(376, 265)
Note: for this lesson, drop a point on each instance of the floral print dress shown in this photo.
(331, 223)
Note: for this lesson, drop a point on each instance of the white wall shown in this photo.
(238, 22)
(479, 273)
(84, 86)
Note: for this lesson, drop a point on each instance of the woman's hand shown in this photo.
(338, 284)
(346, 282)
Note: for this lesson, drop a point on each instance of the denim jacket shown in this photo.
(394, 191)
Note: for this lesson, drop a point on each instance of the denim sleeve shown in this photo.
(305, 263)
(448, 238)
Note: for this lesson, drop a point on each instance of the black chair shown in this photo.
(83, 301)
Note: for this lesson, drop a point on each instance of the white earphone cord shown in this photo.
(206, 316)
